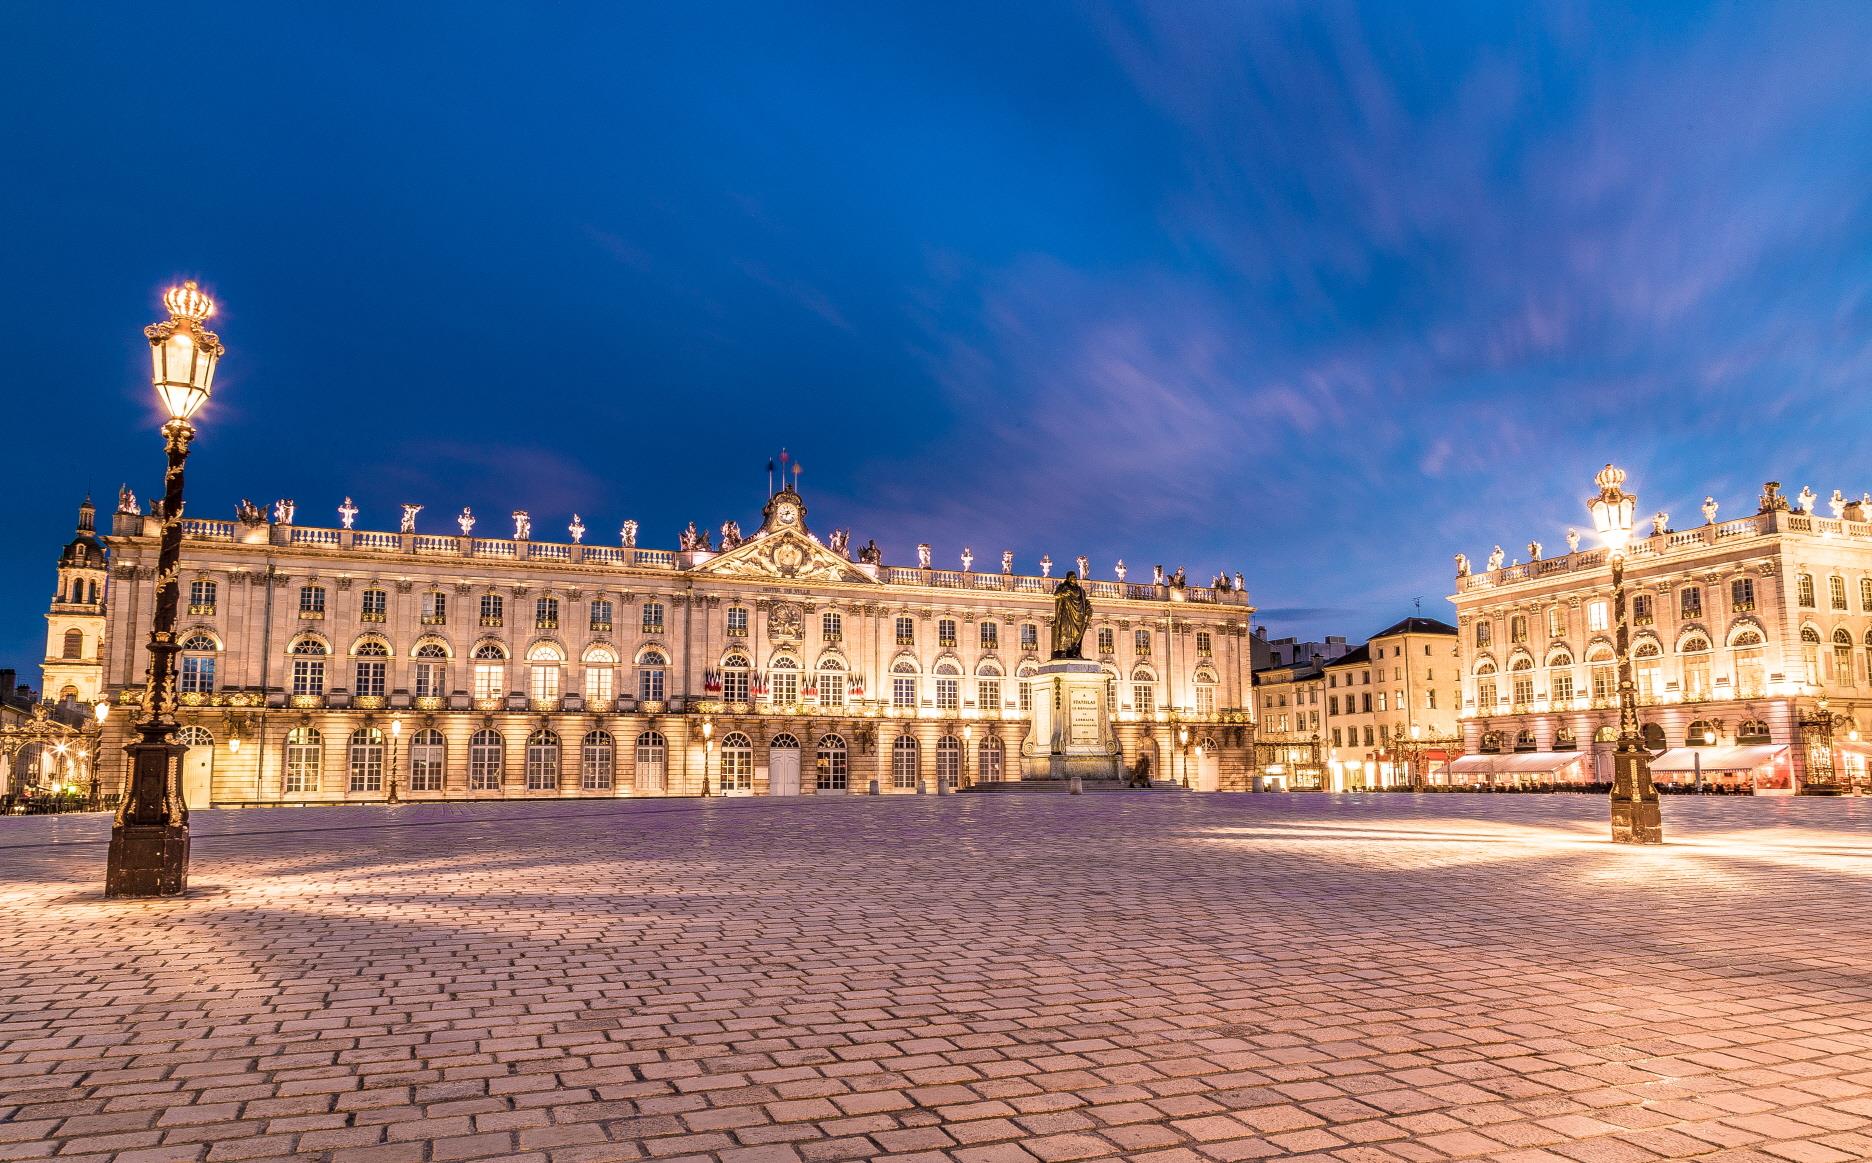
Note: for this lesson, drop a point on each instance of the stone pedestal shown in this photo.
(147, 860)
(1071, 734)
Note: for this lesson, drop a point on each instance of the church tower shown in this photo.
(74, 658)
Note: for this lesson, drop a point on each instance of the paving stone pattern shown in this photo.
(982, 980)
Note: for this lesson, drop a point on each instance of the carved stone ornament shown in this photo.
(344, 584)
(786, 624)
(404, 586)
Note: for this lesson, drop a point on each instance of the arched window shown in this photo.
(1750, 650)
(904, 762)
(651, 753)
(1810, 653)
(427, 753)
(1752, 732)
(1491, 742)
(74, 644)
(490, 671)
(542, 761)
(735, 670)
(366, 761)
(1144, 691)
(372, 659)
(1486, 696)
(904, 683)
(305, 756)
(308, 671)
(1702, 733)
(596, 761)
(949, 761)
(652, 675)
(486, 760)
(1842, 657)
(600, 675)
(431, 672)
(1524, 740)
(543, 663)
(1653, 736)
(989, 757)
(1606, 735)
(831, 682)
(1521, 680)
(829, 766)
(1564, 740)
(198, 664)
(948, 686)
(783, 742)
(1695, 649)
(784, 685)
(737, 762)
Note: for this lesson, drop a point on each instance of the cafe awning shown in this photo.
(1684, 759)
(1519, 762)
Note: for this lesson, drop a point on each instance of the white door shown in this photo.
(197, 766)
(1209, 771)
(783, 771)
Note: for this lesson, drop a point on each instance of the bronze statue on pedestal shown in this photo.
(1072, 613)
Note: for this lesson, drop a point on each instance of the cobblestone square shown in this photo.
(979, 979)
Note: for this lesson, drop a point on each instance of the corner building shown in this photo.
(324, 665)
(1751, 643)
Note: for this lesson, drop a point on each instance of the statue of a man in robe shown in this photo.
(1072, 613)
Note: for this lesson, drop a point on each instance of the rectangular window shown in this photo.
(1332, 704)
(492, 607)
(198, 674)
(370, 678)
(490, 680)
(1144, 697)
(366, 767)
(1367, 702)
(1556, 624)
(1484, 634)
(545, 685)
(737, 622)
(601, 615)
(650, 684)
(1742, 594)
(1381, 700)
(302, 764)
(308, 676)
(831, 689)
(1024, 694)
(426, 766)
(1205, 645)
(1368, 736)
(906, 631)
(1336, 741)
(1205, 700)
(946, 633)
(653, 617)
(1596, 615)
(1107, 642)
(903, 691)
(785, 688)
(988, 694)
(435, 609)
(1690, 602)
(1517, 628)
(1030, 636)
(201, 597)
(376, 604)
(546, 614)
(311, 601)
(1430, 700)
(948, 694)
(990, 635)
(1836, 592)
(1641, 614)
(1804, 590)
(832, 627)
(1141, 639)
(735, 685)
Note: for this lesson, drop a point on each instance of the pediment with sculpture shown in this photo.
(784, 554)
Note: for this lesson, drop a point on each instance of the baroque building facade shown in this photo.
(325, 665)
(1751, 643)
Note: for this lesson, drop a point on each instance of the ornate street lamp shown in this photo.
(1635, 818)
(396, 742)
(100, 711)
(1183, 738)
(968, 742)
(708, 745)
(149, 848)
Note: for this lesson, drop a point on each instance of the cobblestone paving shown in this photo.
(1147, 977)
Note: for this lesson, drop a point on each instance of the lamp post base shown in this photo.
(1635, 816)
(148, 860)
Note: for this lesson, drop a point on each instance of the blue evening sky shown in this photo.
(1322, 293)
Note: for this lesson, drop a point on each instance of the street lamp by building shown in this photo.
(968, 740)
(708, 745)
(100, 711)
(149, 847)
(396, 742)
(1183, 738)
(1635, 816)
